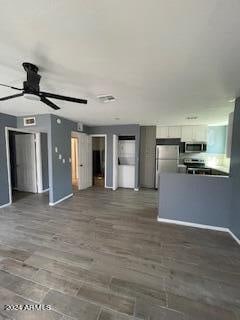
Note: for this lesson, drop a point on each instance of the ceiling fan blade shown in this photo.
(49, 103)
(12, 96)
(64, 98)
(5, 85)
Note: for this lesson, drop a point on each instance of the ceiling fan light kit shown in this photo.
(31, 96)
(31, 89)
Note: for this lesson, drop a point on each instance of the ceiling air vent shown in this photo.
(192, 118)
(30, 121)
(106, 98)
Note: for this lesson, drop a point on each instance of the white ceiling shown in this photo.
(163, 60)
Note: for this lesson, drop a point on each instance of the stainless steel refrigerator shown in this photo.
(167, 160)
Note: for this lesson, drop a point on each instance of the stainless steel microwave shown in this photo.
(191, 147)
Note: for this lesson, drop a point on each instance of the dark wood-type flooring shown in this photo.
(102, 255)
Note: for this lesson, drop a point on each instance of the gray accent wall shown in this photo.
(195, 199)
(44, 154)
(235, 172)
(60, 172)
(119, 130)
(5, 121)
(59, 135)
(147, 156)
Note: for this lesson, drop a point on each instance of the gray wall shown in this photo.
(147, 156)
(195, 198)
(5, 121)
(44, 154)
(235, 172)
(120, 130)
(59, 135)
(60, 173)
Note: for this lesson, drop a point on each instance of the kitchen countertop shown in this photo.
(220, 168)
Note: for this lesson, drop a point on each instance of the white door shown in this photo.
(115, 162)
(84, 161)
(26, 162)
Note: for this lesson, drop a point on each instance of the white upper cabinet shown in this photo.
(174, 132)
(162, 132)
(168, 132)
(194, 133)
(187, 133)
(200, 133)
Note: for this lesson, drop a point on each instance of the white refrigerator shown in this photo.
(167, 160)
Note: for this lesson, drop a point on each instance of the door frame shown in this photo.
(105, 151)
(38, 159)
(77, 155)
(115, 162)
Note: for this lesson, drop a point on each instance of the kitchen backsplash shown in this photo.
(210, 158)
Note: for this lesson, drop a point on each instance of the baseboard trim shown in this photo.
(234, 237)
(60, 200)
(201, 226)
(43, 191)
(195, 225)
(107, 187)
(5, 205)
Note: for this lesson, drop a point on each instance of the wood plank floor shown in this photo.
(102, 255)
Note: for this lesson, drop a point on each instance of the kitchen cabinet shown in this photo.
(174, 132)
(168, 132)
(194, 133)
(147, 156)
(200, 133)
(187, 133)
(162, 132)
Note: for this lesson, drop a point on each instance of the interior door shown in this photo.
(26, 163)
(85, 161)
(115, 162)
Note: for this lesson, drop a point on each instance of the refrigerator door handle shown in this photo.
(157, 164)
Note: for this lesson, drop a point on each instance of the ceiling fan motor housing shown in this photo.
(31, 89)
(33, 78)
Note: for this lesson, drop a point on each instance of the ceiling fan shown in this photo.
(31, 89)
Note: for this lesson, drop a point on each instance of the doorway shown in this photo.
(74, 161)
(22, 163)
(98, 156)
(27, 158)
(81, 159)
